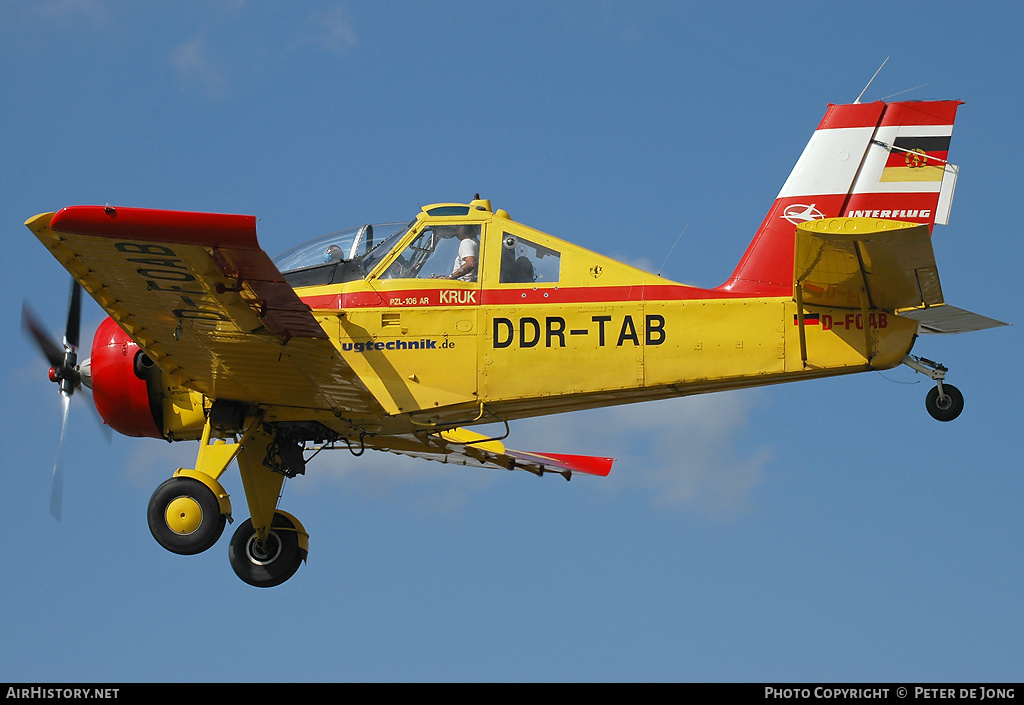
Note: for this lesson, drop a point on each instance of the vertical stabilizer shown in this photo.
(872, 160)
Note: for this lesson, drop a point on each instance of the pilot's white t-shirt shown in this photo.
(467, 248)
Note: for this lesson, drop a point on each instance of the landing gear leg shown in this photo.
(944, 402)
(270, 546)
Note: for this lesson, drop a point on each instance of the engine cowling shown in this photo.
(125, 385)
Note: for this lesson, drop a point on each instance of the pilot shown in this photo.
(334, 254)
(465, 261)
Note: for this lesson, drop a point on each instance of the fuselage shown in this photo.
(578, 330)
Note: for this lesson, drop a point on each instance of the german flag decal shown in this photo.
(916, 159)
(810, 319)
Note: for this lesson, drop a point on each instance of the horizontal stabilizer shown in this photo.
(838, 259)
(950, 319)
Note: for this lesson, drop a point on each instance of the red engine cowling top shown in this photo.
(119, 383)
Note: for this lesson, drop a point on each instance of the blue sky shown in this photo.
(819, 531)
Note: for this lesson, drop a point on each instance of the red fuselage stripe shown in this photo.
(416, 298)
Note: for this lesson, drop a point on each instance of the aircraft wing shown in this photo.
(206, 303)
(463, 447)
(839, 260)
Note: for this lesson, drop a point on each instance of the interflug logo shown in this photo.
(797, 213)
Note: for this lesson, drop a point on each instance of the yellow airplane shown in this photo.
(396, 337)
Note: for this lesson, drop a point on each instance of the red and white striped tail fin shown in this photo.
(875, 160)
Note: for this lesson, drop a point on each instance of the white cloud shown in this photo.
(688, 453)
(146, 462)
(80, 14)
(332, 30)
(194, 65)
(197, 64)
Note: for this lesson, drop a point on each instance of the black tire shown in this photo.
(184, 516)
(945, 409)
(268, 565)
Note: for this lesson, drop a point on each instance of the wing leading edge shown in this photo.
(206, 303)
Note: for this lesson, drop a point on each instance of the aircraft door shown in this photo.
(421, 347)
(551, 328)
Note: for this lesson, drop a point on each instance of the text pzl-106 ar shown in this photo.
(396, 337)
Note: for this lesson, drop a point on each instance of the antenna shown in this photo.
(893, 95)
(869, 82)
(672, 248)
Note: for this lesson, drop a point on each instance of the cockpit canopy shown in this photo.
(339, 257)
(443, 243)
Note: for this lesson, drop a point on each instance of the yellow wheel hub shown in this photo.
(183, 515)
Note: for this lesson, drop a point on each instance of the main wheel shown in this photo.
(184, 516)
(269, 563)
(946, 407)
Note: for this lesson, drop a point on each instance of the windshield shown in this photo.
(341, 256)
(335, 247)
(439, 252)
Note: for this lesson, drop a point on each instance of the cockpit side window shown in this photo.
(439, 252)
(525, 262)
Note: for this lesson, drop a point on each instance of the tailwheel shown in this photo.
(272, 561)
(185, 516)
(944, 402)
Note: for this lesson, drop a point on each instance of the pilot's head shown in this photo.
(333, 254)
(460, 231)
